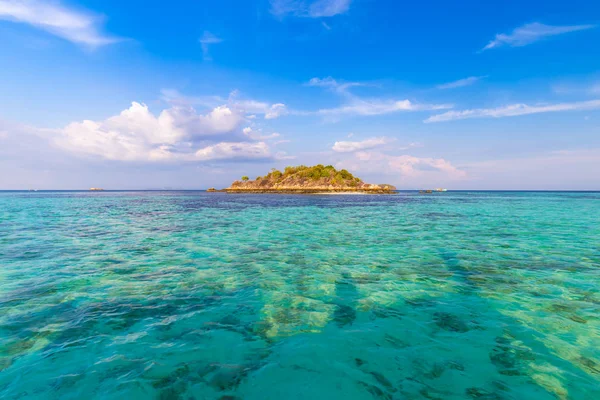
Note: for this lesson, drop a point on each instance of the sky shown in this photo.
(194, 94)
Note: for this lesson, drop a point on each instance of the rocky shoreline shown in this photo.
(309, 191)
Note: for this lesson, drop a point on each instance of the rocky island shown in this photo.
(303, 179)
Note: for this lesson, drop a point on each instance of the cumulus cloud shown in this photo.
(310, 9)
(348, 146)
(270, 111)
(206, 40)
(513, 110)
(531, 33)
(176, 134)
(461, 82)
(276, 111)
(249, 107)
(76, 26)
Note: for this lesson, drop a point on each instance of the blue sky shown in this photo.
(463, 95)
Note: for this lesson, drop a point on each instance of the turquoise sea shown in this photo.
(193, 295)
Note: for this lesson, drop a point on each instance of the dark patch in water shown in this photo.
(386, 312)
(450, 322)
(421, 302)
(456, 366)
(359, 362)
(172, 393)
(172, 378)
(590, 365)
(344, 315)
(507, 358)
(436, 371)
(345, 289)
(441, 215)
(347, 295)
(578, 319)
(395, 342)
(228, 377)
(479, 393)
(375, 391)
(425, 393)
(382, 380)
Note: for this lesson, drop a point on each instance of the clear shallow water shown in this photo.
(213, 296)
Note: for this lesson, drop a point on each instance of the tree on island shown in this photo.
(303, 178)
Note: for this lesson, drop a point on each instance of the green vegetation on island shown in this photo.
(304, 179)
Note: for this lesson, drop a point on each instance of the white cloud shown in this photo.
(276, 111)
(408, 169)
(323, 82)
(330, 83)
(270, 111)
(370, 107)
(348, 147)
(311, 9)
(243, 106)
(414, 166)
(328, 8)
(513, 110)
(73, 25)
(355, 105)
(531, 33)
(234, 151)
(461, 82)
(136, 134)
(206, 40)
(249, 106)
(257, 134)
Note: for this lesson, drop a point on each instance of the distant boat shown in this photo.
(441, 190)
(96, 189)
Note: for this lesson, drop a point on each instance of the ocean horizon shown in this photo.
(397, 191)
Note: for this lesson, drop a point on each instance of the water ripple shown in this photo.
(178, 295)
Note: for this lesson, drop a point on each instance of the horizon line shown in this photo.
(204, 190)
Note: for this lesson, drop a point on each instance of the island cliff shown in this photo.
(303, 179)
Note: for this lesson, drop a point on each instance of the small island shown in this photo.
(302, 179)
